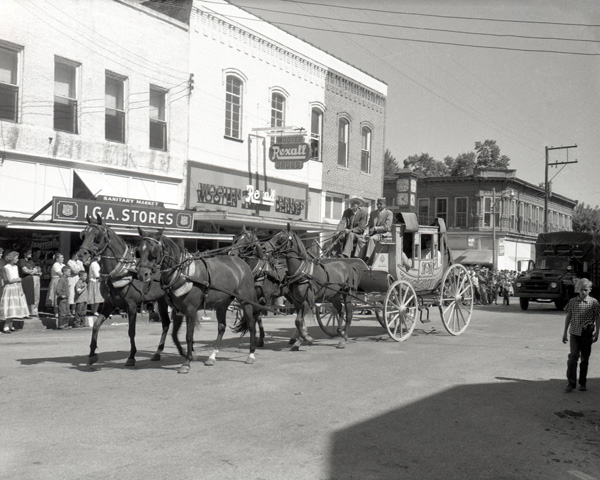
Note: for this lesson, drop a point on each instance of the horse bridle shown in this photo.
(97, 251)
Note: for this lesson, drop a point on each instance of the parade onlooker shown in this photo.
(62, 299)
(583, 317)
(13, 304)
(55, 275)
(94, 296)
(81, 291)
(2, 263)
(76, 266)
(30, 272)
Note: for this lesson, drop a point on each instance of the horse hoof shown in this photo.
(210, 362)
(308, 339)
(295, 348)
(260, 344)
(291, 341)
(155, 357)
(341, 345)
(130, 362)
(184, 369)
(92, 359)
(250, 361)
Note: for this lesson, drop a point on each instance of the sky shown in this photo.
(483, 77)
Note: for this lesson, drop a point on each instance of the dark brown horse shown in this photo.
(192, 283)
(120, 286)
(310, 282)
(269, 273)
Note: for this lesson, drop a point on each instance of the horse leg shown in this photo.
(163, 311)
(221, 326)
(251, 318)
(340, 305)
(301, 328)
(260, 343)
(131, 319)
(107, 309)
(177, 321)
(190, 323)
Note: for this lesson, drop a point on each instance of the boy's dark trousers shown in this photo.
(581, 346)
(80, 310)
(64, 313)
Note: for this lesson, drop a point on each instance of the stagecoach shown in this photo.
(401, 293)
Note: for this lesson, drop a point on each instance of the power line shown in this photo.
(481, 19)
(455, 44)
(462, 32)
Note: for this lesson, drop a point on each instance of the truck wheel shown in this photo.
(524, 302)
(560, 304)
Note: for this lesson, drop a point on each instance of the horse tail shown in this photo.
(241, 325)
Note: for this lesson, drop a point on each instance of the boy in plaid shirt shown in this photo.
(583, 316)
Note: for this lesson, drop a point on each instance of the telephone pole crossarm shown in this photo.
(546, 186)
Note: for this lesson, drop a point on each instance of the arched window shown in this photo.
(233, 107)
(343, 140)
(277, 110)
(365, 153)
(316, 133)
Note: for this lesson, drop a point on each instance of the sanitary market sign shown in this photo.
(134, 213)
(289, 153)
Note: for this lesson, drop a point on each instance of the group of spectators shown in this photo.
(490, 285)
(72, 288)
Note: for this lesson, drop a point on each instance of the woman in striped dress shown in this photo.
(13, 304)
(55, 274)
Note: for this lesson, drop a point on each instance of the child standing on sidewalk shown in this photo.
(62, 298)
(81, 299)
(583, 315)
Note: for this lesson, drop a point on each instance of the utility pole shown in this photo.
(546, 186)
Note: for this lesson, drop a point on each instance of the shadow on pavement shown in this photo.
(511, 429)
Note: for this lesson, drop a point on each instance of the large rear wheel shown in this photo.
(400, 310)
(456, 299)
(327, 318)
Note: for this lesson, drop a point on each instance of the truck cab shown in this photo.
(561, 259)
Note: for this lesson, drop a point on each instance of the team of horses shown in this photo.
(255, 274)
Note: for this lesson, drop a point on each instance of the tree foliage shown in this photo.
(461, 166)
(426, 166)
(488, 155)
(390, 164)
(586, 218)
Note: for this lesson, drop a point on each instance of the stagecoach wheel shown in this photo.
(327, 317)
(378, 312)
(456, 299)
(400, 310)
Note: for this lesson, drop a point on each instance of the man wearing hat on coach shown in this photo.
(380, 223)
(352, 227)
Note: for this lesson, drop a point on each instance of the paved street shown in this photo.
(486, 405)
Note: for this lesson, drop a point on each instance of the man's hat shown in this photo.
(359, 200)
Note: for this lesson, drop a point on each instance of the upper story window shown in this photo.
(233, 106)
(277, 110)
(487, 212)
(365, 153)
(65, 96)
(316, 134)
(343, 139)
(461, 217)
(423, 211)
(441, 208)
(9, 88)
(114, 118)
(334, 206)
(158, 121)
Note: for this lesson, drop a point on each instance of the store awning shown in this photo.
(229, 218)
(76, 227)
(474, 257)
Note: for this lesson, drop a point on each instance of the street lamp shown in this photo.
(494, 258)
